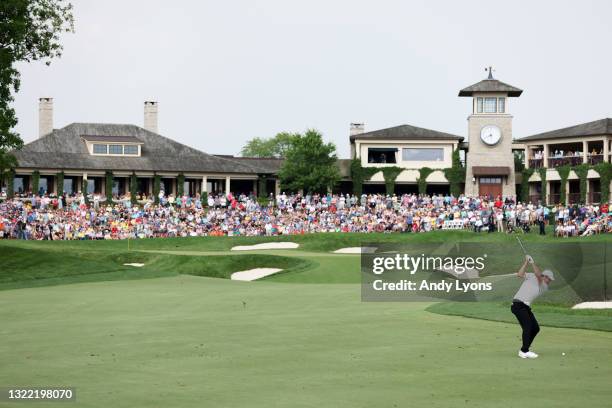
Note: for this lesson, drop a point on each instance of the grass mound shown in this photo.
(26, 267)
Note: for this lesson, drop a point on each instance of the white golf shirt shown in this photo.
(530, 289)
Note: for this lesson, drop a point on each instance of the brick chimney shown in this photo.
(45, 116)
(150, 116)
(357, 128)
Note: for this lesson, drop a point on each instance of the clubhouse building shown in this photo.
(86, 155)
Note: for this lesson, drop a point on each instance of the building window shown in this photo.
(501, 105)
(490, 180)
(479, 102)
(130, 149)
(490, 105)
(68, 185)
(381, 155)
(115, 149)
(423, 154)
(100, 149)
(18, 184)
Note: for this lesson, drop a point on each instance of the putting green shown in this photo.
(186, 341)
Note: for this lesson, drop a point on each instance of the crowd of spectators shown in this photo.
(44, 217)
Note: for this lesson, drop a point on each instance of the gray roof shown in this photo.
(595, 128)
(64, 149)
(406, 132)
(491, 85)
(269, 165)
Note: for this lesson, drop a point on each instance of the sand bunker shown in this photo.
(266, 245)
(137, 265)
(355, 250)
(466, 273)
(253, 274)
(593, 305)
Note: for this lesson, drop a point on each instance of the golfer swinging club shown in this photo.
(534, 284)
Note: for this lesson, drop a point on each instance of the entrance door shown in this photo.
(490, 186)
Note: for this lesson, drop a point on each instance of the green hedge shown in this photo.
(262, 186)
(359, 174)
(133, 188)
(525, 184)
(390, 174)
(35, 182)
(424, 172)
(108, 186)
(542, 172)
(564, 172)
(582, 171)
(455, 175)
(605, 173)
(60, 183)
(10, 183)
(156, 188)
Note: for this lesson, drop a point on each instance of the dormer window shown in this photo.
(115, 149)
(490, 105)
(130, 149)
(100, 149)
(113, 145)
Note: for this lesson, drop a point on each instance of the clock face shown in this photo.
(490, 135)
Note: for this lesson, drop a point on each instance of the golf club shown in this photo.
(524, 250)
(522, 247)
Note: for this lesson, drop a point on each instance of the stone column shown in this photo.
(546, 153)
(83, 182)
(606, 149)
(585, 151)
(204, 188)
(276, 187)
(227, 185)
(588, 192)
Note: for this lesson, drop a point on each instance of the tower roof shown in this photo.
(491, 85)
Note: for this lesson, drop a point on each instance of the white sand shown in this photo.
(253, 274)
(138, 265)
(468, 273)
(266, 245)
(355, 250)
(593, 305)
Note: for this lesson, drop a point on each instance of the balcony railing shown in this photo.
(535, 198)
(536, 163)
(595, 196)
(595, 158)
(554, 198)
(573, 198)
(564, 161)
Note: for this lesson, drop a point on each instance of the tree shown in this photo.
(276, 146)
(310, 164)
(29, 31)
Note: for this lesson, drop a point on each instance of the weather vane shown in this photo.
(490, 69)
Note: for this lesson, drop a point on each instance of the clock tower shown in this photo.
(489, 160)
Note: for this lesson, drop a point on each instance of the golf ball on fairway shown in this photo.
(562, 354)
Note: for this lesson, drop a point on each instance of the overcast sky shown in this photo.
(226, 71)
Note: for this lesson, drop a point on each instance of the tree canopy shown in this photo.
(268, 147)
(310, 164)
(29, 31)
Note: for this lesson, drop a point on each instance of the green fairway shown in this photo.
(173, 334)
(190, 341)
